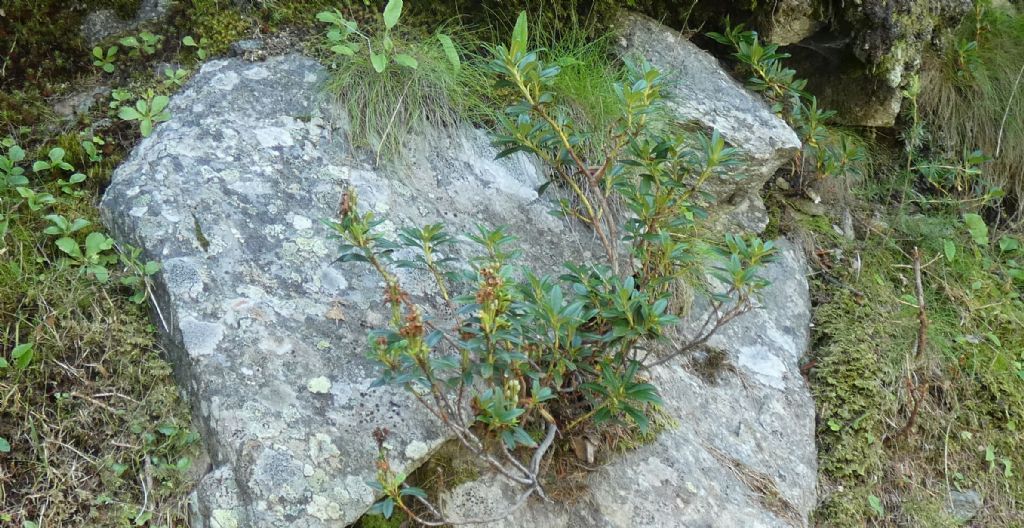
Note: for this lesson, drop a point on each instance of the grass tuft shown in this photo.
(973, 98)
(383, 109)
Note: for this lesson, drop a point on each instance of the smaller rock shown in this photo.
(848, 230)
(782, 184)
(699, 91)
(246, 47)
(80, 102)
(966, 504)
(809, 207)
(104, 23)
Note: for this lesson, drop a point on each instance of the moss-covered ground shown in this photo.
(901, 432)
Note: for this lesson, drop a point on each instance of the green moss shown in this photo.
(970, 386)
(447, 468)
(851, 399)
(220, 24)
(397, 520)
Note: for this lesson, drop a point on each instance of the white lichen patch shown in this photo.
(323, 508)
(322, 447)
(223, 519)
(274, 137)
(301, 222)
(225, 81)
(319, 385)
(416, 450)
(200, 338)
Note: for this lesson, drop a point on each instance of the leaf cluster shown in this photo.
(832, 153)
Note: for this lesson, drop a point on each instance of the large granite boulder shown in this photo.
(702, 93)
(742, 452)
(267, 334)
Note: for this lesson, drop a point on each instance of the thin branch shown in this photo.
(1009, 104)
(916, 394)
(742, 306)
(534, 488)
(538, 455)
(922, 314)
(442, 521)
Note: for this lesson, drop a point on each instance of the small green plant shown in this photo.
(148, 112)
(91, 148)
(765, 63)
(967, 60)
(961, 177)
(68, 186)
(104, 60)
(139, 276)
(532, 355)
(199, 46)
(118, 97)
(145, 43)
(60, 226)
(11, 175)
(54, 162)
(175, 77)
(36, 200)
(21, 358)
(92, 257)
(98, 253)
(383, 52)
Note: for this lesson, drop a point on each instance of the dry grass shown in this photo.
(96, 427)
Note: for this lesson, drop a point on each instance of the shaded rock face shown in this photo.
(742, 454)
(267, 335)
(791, 21)
(888, 40)
(856, 55)
(702, 93)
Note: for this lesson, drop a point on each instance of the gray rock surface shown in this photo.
(79, 103)
(742, 454)
(703, 93)
(247, 46)
(228, 195)
(104, 23)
